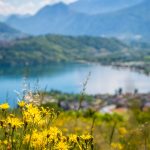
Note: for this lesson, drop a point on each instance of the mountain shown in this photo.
(6, 29)
(130, 22)
(47, 20)
(7, 32)
(56, 48)
(101, 6)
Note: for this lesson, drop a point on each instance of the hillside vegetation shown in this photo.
(54, 48)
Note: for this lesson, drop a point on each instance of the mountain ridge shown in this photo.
(131, 22)
(8, 33)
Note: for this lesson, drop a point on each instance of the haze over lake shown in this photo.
(70, 78)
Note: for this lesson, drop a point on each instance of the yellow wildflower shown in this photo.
(14, 122)
(86, 137)
(55, 134)
(117, 146)
(5, 142)
(44, 111)
(31, 114)
(4, 106)
(38, 139)
(73, 138)
(122, 131)
(62, 146)
(21, 104)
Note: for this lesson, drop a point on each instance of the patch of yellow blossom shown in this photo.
(37, 139)
(4, 106)
(117, 146)
(47, 138)
(73, 138)
(62, 146)
(33, 129)
(122, 131)
(86, 137)
(5, 142)
(54, 134)
(31, 114)
(21, 104)
(14, 122)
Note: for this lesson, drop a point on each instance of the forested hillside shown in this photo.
(55, 48)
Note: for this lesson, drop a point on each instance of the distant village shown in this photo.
(105, 103)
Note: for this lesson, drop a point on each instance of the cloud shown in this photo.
(25, 6)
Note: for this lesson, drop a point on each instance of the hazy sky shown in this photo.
(25, 6)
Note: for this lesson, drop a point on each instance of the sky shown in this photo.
(8, 7)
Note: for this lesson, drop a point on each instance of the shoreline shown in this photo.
(138, 66)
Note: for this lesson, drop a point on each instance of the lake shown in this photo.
(69, 78)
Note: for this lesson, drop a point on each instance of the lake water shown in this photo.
(70, 78)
